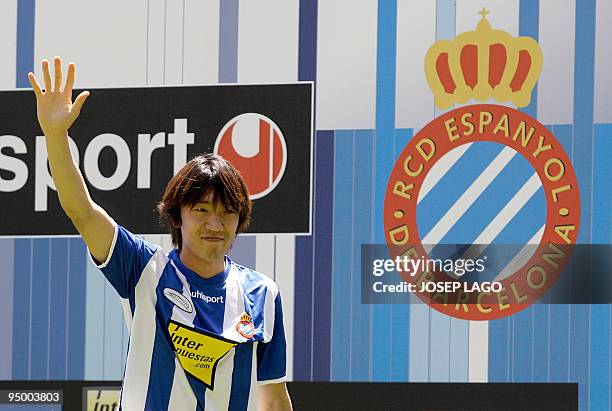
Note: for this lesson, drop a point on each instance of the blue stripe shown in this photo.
(40, 308)
(113, 327)
(454, 183)
(400, 325)
(446, 17)
(94, 315)
(459, 341)
(532, 214)
(228, 41)
(486, 207)
(559, 343)
(57, 307)
(602, 185)
(439, 347)
(583, 110)
(76, 313)
(302, 355)
(22, 308)
(529, 18)
(343, 255)
(600, 358)
(362, 223)
(541, 360)
(499, 356)
(579, 351)
(384, 139)
(7, 270)
(522, 336)
(241, 377)
(26, 10)
(307, 57)
(162, 364)
(323, 252)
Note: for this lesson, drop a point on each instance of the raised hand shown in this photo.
(54, 106)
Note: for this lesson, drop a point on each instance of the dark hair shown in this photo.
(197, 178)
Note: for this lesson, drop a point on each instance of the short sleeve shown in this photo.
(128, 256)
(272, 356)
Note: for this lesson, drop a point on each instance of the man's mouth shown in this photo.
(213, 239)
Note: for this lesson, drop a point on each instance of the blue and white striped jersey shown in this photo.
(195, 343)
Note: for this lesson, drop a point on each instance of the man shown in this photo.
(199, 323)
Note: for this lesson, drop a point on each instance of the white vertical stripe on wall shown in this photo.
(264, 254)
(8, 43)
(416, 32)
(173, 45)
(94, 318)
(268, 41)
(201, 56)
(285, 278)
(556, 84)
(478, 358)
(346, 64)
(155, 41)
(603, 61)
(108, 46)
(503, 15)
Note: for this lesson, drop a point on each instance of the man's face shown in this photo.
(208, 230)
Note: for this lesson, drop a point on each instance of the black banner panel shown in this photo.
(129, 142)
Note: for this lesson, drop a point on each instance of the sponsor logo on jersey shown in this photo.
(178, 299)
(199, 352)
(218, 299)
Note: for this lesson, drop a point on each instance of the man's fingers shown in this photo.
(79, 101)
(46, 75)
(70, 78)
(58, 73)
(35, 85)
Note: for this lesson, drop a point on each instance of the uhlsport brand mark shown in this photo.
(485, 64)
(255, 145)
(207, 298)
(178, 299)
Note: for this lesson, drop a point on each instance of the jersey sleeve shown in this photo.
(128, 256)
(272, 356)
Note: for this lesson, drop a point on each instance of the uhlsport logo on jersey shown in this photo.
(255, 145)
(484, 64)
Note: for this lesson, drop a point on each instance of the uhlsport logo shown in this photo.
(255, 145)
(485, 64)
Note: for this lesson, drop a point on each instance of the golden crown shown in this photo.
(245, 317)
(483, 64)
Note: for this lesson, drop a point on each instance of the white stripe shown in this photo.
(201, 58)
(218, 399)
(513, 206)
(285, 279)
(416, 32)
(556, 83)
(234, 306)
(478, 364)
(136, 380)
(264, 254)
(269, 312)
(154, 42)
(440, 168)
(468, 197)
(181, 396)
(177, 314)
(254, 391)
(346, 64)
(8, 44)
(88, 37)
(503, 15)
(522, 256)
(127, 313)
(268, 41)
(602, 111)
(173, 45)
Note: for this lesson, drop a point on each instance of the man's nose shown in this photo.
(214, 223)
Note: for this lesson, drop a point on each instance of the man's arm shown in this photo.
(56, 113)
(274, 397)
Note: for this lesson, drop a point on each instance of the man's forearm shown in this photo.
(69, 183)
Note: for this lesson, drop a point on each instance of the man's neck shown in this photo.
(204, 269)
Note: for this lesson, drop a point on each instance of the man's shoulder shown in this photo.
(252, 279)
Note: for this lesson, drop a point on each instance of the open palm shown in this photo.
(54, 106)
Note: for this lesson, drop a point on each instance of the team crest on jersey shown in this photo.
(245, 326)
(178, 299)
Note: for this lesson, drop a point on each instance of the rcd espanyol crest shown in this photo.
(484, 65)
